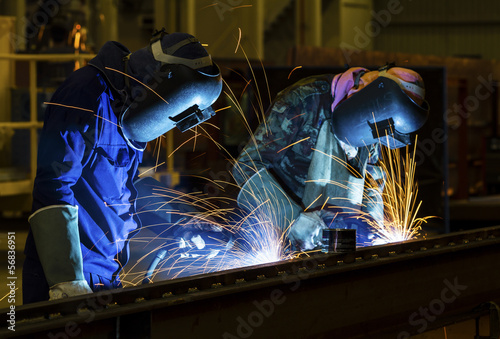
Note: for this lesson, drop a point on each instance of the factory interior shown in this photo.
(442, 282)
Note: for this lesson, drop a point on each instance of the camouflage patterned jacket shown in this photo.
(295, 116)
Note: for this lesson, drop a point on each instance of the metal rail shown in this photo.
(33, 124)
(376, 292)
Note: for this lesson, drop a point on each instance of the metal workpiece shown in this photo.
(338, 240)
(392, 291)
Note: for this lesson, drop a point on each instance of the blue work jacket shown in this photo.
(84, 160)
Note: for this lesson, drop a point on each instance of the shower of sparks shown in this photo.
(256, 237)
(400, 197)
(260, 243)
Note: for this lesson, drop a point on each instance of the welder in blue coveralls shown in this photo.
(96, 128)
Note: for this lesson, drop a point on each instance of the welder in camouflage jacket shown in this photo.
(313, 163)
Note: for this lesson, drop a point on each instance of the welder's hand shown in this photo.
(306, 231)
(69, 289)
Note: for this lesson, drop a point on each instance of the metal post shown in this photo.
(191, 17)
(259, 27)
(33, 120)
(463, 171)
(309, 23)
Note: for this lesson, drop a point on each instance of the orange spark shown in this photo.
(221, 109)
(56, 104)
(152, 168)
(239, 39)
(293, 70)
(298, 115)
(107, 120)
(196, 157)
(131, 77)
(241, 6)
(314, 202)
(215, 4)
(210, 124)
(185, 142)
(245, 88)
(247, 82)
(296, 142)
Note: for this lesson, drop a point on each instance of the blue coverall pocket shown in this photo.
(110, 171)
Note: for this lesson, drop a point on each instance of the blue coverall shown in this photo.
(84, 160)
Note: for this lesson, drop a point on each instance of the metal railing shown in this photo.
(25, 186)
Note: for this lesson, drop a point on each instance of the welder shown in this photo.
(314, 162)
(96, 128)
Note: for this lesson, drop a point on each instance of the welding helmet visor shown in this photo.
(184, 90)
(380, 112)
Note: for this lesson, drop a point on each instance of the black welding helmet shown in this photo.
(173, 84)
(387, 110)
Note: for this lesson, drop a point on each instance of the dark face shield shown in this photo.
(186, 99)
(380, 112)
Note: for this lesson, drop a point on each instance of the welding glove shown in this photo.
(265, 200)
(307, 231)
(55, 230)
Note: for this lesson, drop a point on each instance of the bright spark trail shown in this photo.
(400, 198)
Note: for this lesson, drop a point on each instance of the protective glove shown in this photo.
(69, 289)
(306, 232)
(55, 230)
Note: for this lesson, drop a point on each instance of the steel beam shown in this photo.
(389, 291)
